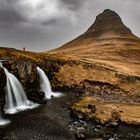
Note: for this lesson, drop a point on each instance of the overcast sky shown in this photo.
(41, 25)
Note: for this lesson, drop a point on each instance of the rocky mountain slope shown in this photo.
(105, 63)
(110, 51)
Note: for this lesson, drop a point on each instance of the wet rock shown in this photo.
(80, 116)
(128, 78)
(36, 96)
(98, 139)
(37, 126)
(98, 127)
(80, 136)
(114, 123)
(52, 96)
(2, 86)
(92, 107)
(24, 70)
(2, 78)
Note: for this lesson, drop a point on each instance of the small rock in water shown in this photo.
(114, 123)
(52, 96)
(80, 136)
(98, 128)
(82, 122)
(80, 116)
(92, 107)
(111, 139)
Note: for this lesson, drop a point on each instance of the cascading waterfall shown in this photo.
(16, 99)
(45, 85)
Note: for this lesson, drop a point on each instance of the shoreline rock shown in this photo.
(107, 112)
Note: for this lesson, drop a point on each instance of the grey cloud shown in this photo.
(8, 12)
(74, 4)
(10, 15)
(16, 11)
(41, 28)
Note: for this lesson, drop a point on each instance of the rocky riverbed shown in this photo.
(96, 109)
(54, 121)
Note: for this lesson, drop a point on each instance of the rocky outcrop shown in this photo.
(90, 79)
(26, 72)
(2, 86)
(111, 113)
(109, 91)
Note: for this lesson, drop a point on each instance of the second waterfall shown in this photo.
(45, 85)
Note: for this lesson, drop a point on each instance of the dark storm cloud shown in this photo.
(44, 12)
(74, 4)
(8, 13)
(46, 24)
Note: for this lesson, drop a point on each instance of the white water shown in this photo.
(16, 99)
(45, 85)
(4, 121)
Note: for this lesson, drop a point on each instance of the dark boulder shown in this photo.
(92, 107)
(36, 96)
(2, 86)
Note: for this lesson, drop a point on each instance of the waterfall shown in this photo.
(45, 85)
(16, 99)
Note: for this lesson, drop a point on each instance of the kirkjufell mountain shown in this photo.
(108, 21)
(108, 42)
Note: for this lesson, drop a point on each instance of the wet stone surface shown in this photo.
(94, 131)
(53, 121)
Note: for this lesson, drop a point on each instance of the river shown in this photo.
(53, 121)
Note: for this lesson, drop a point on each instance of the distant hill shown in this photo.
(12, 53)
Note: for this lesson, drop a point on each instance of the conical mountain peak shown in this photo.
(107, 21)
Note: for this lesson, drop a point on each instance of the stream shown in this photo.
(53, 121)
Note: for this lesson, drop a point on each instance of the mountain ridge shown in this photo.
(108, 20)
(108, 25)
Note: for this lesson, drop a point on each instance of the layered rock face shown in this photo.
(2, 86)
(25, 70)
